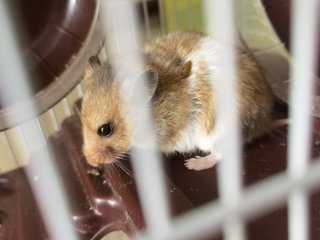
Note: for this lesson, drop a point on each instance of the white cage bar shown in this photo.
(304, 40)
(219, 17)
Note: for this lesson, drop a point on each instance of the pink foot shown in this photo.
(201, 163)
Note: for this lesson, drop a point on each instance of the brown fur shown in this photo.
(203, 96)
(255, 97)
(174, 45)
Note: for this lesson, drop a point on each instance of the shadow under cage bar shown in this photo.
(41, 174)
(304, 40)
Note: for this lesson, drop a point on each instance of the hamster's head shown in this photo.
(106, 130)
(108, 133)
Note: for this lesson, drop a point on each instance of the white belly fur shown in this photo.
(194, 136)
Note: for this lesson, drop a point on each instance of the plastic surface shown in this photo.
(104, 200)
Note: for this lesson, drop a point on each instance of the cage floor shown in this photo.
(103, 200)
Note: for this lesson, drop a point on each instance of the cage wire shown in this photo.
(303, 32)
(235, 204)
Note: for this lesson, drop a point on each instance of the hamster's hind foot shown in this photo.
(201, 163)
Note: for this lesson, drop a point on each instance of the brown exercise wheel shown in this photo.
(58, 38)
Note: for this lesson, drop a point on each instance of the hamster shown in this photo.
(182, 96)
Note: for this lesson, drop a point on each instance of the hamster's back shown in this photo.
(172, 101)
(192, 96)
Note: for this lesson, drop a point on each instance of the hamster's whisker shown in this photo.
(121, 157)
(118, 162)
(113, 165)
(124, 169)
(116, 165)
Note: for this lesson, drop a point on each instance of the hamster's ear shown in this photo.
(93, 62)
(152, 80)
(186, 71)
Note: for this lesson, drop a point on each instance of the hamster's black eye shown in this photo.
(105, 130)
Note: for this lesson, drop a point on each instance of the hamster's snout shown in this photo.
(97, 155)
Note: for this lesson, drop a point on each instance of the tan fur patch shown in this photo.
(171, 113)
(204, 98)
(97, 109)
(255, 97)
(182, 42)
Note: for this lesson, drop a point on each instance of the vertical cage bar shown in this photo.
(298, 215)
(33, 136)
(7, 153)
(120, 22)
(190, 15)
(304, 39)
(146, 18)
(47, 125)
(15, 84)
(18, 146)
(54, 120)
(66, 107)
(219, 22)
(304, 35)
(72, 98)
(161, 17)
(176, 16)
(61, 111)
(79, 90)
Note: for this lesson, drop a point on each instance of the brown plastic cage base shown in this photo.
(103, 200)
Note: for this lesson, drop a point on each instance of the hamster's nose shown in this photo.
(95, 155)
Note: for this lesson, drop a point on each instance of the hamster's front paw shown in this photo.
(201, 163)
